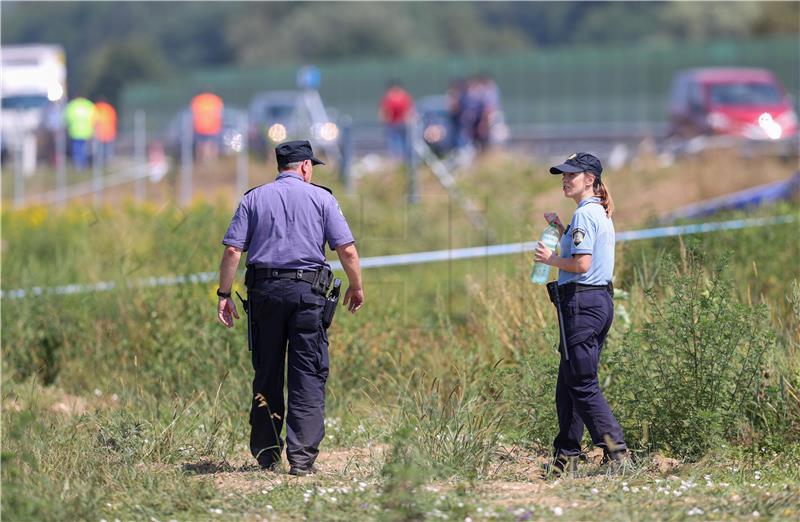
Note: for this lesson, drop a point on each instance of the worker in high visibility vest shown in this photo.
(105, 128)
(79, 116)
(206, 110)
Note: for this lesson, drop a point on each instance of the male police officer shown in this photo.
(284, 226)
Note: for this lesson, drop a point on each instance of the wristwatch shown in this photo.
(223, 294)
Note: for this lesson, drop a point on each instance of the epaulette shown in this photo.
(323, 188)
(252, 189)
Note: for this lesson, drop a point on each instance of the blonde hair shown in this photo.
(601, 191)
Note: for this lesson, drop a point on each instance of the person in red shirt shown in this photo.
(396, 112)
(207, 120)
(105, 128)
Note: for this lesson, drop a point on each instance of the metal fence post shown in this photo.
(139, 153)
(410, 157)
(97, 173)
(242, 160)
(346, 144)
(187, 142)
(61, 163)
(19, 175)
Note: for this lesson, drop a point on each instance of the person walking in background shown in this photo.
(455, 106)
(283, 226)
(488, 109)
(585, 295)
(79, 116)
(206, 110)
(396, 112)
(105, 128)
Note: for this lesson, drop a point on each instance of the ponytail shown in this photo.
(601, 191)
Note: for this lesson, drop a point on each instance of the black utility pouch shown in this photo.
(552, 292)
(322, 281)
(331, 302)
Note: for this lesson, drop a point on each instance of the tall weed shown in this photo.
(689, 374)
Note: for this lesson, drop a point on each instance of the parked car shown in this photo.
(743, 102)
(231, 139)
(276, 116)
(437, 124)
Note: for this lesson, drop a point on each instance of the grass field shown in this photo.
(132, 404)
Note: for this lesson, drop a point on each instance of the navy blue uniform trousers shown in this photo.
(287, 314)
(587, 318)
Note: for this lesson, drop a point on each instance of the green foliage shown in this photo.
(202, 34)
(121, 63)
(687, 377)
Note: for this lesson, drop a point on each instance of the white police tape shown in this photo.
(414, 258)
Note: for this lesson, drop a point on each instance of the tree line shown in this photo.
(111, 44)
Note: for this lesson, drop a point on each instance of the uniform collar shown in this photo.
(586, 201)
(289, 174)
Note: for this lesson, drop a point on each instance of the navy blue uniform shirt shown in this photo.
(286, 223)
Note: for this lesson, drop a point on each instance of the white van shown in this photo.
(33, 86)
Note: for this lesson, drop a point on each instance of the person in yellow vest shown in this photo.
(105, 128)
(206, 110)
(79, 117)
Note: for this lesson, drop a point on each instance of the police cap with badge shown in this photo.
(579, 162)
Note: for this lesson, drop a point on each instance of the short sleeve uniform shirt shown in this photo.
(286, 223)
(591, 231)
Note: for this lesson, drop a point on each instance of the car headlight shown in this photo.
(717, 120)
(771, 127)
(55, 92)
(277, 133)
(434, 133)
(327, 131)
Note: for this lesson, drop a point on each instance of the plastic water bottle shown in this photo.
(541, 272)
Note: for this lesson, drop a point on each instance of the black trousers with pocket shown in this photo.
(287, 317)
(579, 401)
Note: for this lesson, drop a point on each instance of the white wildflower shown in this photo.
(558, 511)
(694, 511)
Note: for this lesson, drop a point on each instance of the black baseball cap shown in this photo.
(291, 151)
(579, 162)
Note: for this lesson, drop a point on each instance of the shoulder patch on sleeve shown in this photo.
(252, 189)
(323, 188)
(577, 236)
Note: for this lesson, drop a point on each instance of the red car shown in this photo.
(746, 103)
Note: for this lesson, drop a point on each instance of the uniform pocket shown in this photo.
(309, 312)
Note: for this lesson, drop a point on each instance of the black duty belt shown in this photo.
(283, 273)
(574, 288)
(320, 279)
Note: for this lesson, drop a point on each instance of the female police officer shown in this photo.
(585, 293)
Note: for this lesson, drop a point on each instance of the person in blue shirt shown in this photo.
(284, 226)
(585, 269)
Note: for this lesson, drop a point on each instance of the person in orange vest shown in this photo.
(105, 128)
(206, 110)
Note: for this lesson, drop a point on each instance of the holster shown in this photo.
(322, 281)
(555, 298)
(331, 302)
(246, 307)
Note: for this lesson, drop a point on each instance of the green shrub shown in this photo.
(688, 375)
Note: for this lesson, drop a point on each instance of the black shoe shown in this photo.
(297, 471)
(563, 466)
(617, 462)
(270, 466)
